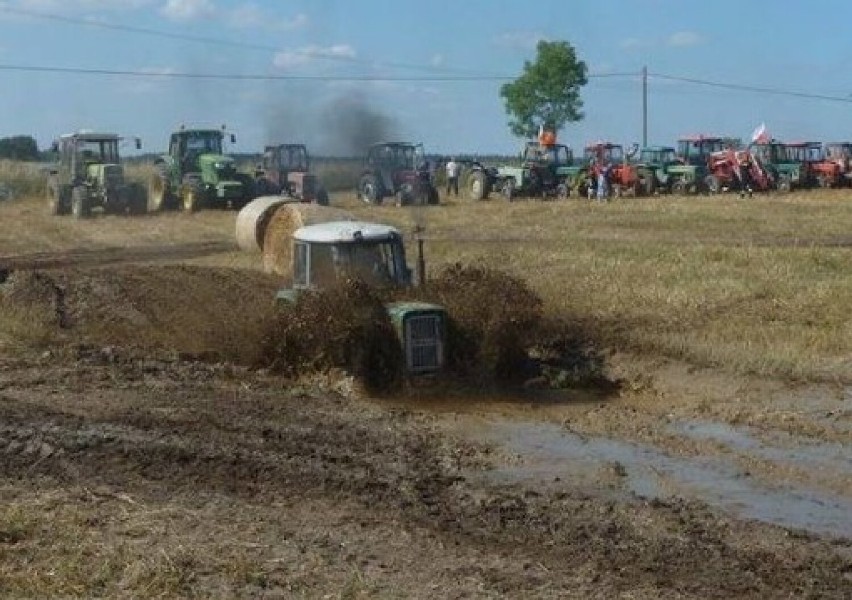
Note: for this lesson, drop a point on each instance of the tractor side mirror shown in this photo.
(54, 147)
(138, 144)
(233, 139)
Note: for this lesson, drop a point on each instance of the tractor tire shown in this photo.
(80, 204)
(159, 192)
(137, 199)
(322, 197)
(477, 186)
(563, 192)
(432, 197)
(54, 202)
(648, 186)
(824, 181)
(785, 185)
(368, 189)
(191, 196)
(508, 189)
(712, 185)
(680, 188)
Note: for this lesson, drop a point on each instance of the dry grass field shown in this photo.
(715, 464)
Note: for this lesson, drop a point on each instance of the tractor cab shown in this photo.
(804, 152)
(696, 150)
(85, 155)
(554, 155)
(328, 252)
(395, 161)
(657, 156)
(284, 169)
(603, 153)
(286, 158)
(770, 152)
(188, 146)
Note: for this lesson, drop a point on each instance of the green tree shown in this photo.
(19, 147)
(548, 92)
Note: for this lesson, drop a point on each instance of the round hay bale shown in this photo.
(252, 220)
(287, 218)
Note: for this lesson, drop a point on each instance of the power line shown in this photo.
(266, 77)
(227, 42)
(751, 88)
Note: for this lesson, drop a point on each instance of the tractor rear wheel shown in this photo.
(54, 203)
(508, 189)
(137, 199)
(477, 186)
(712, 184)
(368, 188)
(80, 207)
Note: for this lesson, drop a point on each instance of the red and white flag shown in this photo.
(760, 135)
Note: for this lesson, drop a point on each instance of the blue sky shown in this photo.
(775, 44)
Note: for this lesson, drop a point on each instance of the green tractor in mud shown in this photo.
(326, 254)
(196, 173)
(89, 174)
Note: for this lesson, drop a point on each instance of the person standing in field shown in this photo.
(453, 177)
(603, 183)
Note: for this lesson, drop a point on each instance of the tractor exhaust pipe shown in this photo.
(421, 264)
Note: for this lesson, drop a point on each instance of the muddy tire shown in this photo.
(80, 206)
(191, 197)
(159, 190)
(508, 189)
(368, 189)
(477, 186)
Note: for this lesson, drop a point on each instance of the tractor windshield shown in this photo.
(378, 263)
(396, 156)
(700, 148)
(804, 153)
(204, 142)
(98, 151)
(838, 151)
(771, 153)
(294, 158)
(657, 157)
(558, 155)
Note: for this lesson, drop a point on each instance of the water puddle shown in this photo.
(545, 453)
(778, 446)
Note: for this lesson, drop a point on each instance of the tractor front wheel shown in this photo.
(80, 207)
(158, 191)
(368, 188)
(477, 187)
(191, 196)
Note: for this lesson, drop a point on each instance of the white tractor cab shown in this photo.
(329, 252)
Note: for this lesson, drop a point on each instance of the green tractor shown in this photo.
(89, 174)
(196, 173)
(546, 171)
(659, 168)
(326, 253)
(787, 170)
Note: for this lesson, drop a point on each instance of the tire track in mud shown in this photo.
(86, 257)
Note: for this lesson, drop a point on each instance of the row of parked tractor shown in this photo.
(194, 173)
(698, 164)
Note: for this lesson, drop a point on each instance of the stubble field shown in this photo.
(143, 456)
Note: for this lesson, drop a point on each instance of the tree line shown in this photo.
(19, 147)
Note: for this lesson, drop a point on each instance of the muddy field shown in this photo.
(139, 459)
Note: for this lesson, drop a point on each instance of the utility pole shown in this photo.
(644, 106)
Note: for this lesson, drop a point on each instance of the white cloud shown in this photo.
(289, 59)
(685, 38)
(523, 40)
(252, 16)
(188, 10)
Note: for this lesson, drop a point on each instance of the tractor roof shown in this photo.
(607, 145)
(838, 143)
(336, 232)
(404, 144)
(90, 135)
(798, 144)
(657, 149)
(197, 131)
(702, 138)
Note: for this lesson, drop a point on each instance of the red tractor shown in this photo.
(285, 170)
(623, 177)
(396, 169)
(738, 170)
(834, 170)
